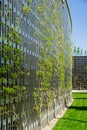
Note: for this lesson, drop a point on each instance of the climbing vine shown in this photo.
(52, 63)
(11, 73)
(27, 7)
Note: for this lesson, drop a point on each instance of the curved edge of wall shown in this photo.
(69, 13)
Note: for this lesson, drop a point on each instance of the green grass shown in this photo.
(75, 117)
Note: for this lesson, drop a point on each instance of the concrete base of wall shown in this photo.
(54, 120)
(55, 113)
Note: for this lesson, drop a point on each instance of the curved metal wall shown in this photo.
(30, 46)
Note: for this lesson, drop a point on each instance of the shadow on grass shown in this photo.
(81, 93)
(83, 108)
(81, 98)
(74, 120)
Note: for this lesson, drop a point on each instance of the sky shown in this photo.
(78, 9)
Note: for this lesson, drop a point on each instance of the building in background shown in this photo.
(79, 72)
(30, 29)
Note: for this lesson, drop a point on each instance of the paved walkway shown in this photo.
(85, 91)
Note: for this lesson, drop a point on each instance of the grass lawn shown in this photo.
(75, 117)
